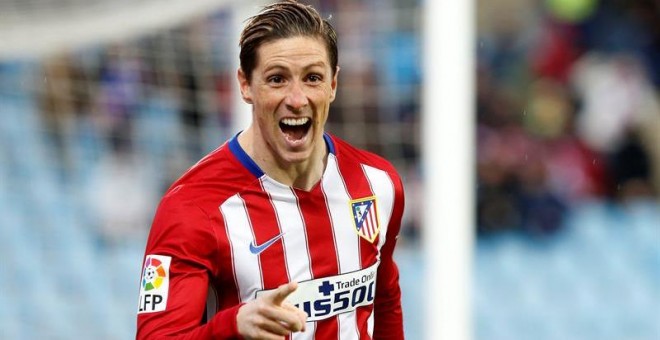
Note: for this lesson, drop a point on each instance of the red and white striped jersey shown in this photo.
(226, 232)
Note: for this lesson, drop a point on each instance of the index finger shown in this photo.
(282, 292)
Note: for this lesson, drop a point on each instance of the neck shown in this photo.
(302, 175)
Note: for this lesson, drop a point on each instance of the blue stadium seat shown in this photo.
(598, 279)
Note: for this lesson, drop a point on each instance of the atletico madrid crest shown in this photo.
(365, 217)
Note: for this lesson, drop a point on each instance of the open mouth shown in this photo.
(295, 129)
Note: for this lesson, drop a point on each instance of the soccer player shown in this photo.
(284, 231)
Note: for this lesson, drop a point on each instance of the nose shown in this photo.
(296, 98)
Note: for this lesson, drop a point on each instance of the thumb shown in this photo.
(282, 292)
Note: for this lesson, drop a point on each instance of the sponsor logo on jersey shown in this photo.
(329, 296)
(365, 217)
(154, 285)
(257, 249)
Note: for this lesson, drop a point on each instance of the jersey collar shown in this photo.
(248, 163)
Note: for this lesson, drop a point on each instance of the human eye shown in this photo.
(314, 78)
(275, 79)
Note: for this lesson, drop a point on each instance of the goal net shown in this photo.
(104, 103)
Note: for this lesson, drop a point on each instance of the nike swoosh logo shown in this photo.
(257, 249)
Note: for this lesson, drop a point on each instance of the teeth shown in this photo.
(295, 121)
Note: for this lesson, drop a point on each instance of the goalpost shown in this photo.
(448, 150)
(35, 32)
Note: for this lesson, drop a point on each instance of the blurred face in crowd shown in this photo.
(290, 89)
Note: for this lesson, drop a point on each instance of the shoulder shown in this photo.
(345, 152)
(216, 177)
(183, 225)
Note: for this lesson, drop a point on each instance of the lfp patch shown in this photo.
(155, 284)
(365, 217)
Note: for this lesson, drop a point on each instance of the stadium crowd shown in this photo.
(567, 108)
(567, 114)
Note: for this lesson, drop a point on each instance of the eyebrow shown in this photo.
(316, 64)
(280, 66)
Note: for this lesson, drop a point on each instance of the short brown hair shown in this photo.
(284, 19)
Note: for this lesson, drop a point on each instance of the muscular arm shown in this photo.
(182, 232)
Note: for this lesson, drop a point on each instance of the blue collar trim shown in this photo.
(243, 157)
(329, 143)
(249, 164)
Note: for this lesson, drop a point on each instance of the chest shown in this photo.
(276, 234)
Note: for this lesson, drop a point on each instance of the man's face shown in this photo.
(291, 89)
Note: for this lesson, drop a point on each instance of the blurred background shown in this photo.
(567, 161)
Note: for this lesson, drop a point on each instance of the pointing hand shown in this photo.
(270, 317)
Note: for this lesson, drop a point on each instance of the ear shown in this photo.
(333, 85)
(244, 85)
